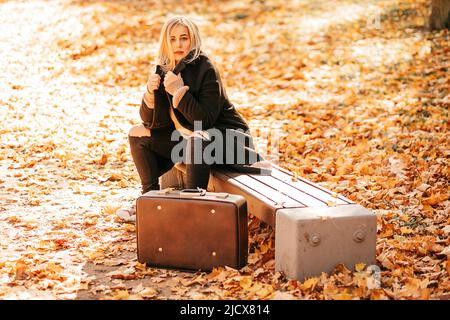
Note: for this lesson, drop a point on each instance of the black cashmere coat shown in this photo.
(206, 100)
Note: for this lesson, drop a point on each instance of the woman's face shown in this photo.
(180, 41)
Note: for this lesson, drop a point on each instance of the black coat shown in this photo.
(206, 100)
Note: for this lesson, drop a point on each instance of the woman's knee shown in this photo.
(139, 131)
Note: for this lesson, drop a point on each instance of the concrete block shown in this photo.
(312, 240)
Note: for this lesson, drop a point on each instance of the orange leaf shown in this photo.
(103, 159)
(435, 199)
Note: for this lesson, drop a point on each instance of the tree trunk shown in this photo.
(440, 14)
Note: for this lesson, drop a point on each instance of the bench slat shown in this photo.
(258, 205)
(265, 191)
(310, 188)
(290, 191)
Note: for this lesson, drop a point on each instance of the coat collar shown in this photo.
(182, 64)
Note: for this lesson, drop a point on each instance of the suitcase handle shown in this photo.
(202, 192)
(187, 193)
(183, 192)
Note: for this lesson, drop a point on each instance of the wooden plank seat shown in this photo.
(315, 228)
(265, 194)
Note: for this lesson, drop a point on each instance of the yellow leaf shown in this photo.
(123, 183)
(121, 295)
(109, 209)
(387, 231)
(406, 230)
(309, 284)
(140, 266)
(264, 248)
(360, 267)
(256, 287)
(342, 296)
(366, 169)
(331, 203)
(246, 282)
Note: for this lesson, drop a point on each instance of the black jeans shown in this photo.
(152, 157)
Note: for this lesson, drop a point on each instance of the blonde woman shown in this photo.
(185, 96)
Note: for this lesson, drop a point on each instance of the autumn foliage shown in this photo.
(359, 90)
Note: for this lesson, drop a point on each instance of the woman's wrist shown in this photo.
(178, 95)
(149, 99)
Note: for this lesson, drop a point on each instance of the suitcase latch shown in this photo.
(221, 195)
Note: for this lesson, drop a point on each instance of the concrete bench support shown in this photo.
(311, 240)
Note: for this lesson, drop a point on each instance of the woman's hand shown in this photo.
(153, 82)
(173, 82)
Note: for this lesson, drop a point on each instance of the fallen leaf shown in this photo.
(246, 282)
(148, 293)
(121, 295)
(435, 199)
(360, 267)
(310, 284)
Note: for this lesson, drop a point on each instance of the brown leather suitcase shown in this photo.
(191, 229)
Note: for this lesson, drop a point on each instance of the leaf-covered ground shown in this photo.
(359, 88)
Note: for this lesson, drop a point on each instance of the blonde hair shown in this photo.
(166, 58)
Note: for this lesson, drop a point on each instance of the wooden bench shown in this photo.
(315, 228)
